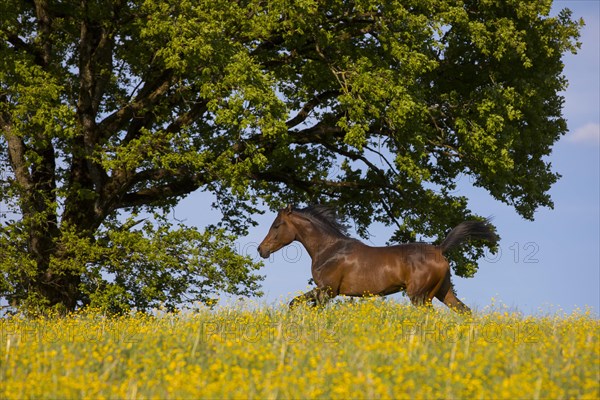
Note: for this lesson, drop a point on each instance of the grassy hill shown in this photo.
(362, 349)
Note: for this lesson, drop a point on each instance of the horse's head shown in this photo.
(281, 233)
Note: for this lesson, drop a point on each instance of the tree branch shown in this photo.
(160, 193)
(384, 158)
(45, 29)
(149, 95)
(16, 155)
(188, 117)
(309, 106)
(322, 132)
(20, 45)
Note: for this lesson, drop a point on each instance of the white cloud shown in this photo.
(586, 134)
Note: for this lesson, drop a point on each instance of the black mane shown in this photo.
(325, 217)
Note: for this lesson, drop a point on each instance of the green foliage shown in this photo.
(112, 108)
(162, 265)
(139, 263)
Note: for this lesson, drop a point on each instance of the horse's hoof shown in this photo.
(298, 301)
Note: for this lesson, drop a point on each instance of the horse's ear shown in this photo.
(288, 209)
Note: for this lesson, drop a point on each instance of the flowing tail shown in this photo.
(469, 230)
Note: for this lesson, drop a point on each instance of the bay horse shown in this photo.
(342, 265)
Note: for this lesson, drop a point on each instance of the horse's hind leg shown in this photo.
(454, 303)
(447, 296)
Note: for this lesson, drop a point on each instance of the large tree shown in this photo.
(112, 111)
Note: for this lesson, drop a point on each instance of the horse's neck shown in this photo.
(315, 240)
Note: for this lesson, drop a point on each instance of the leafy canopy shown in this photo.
(112, 111)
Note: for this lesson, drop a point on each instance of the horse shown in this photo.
(342, 265)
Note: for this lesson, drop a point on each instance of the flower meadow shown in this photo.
(371, 348)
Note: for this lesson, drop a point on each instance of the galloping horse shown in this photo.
(346, 266)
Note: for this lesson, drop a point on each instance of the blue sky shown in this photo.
(550, 264)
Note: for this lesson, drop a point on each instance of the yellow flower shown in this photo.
(368, 349)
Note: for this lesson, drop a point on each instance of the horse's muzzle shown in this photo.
(264, 253)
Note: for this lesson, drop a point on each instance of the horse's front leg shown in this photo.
(315, 297)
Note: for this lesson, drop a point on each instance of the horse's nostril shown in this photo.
(263, 253)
